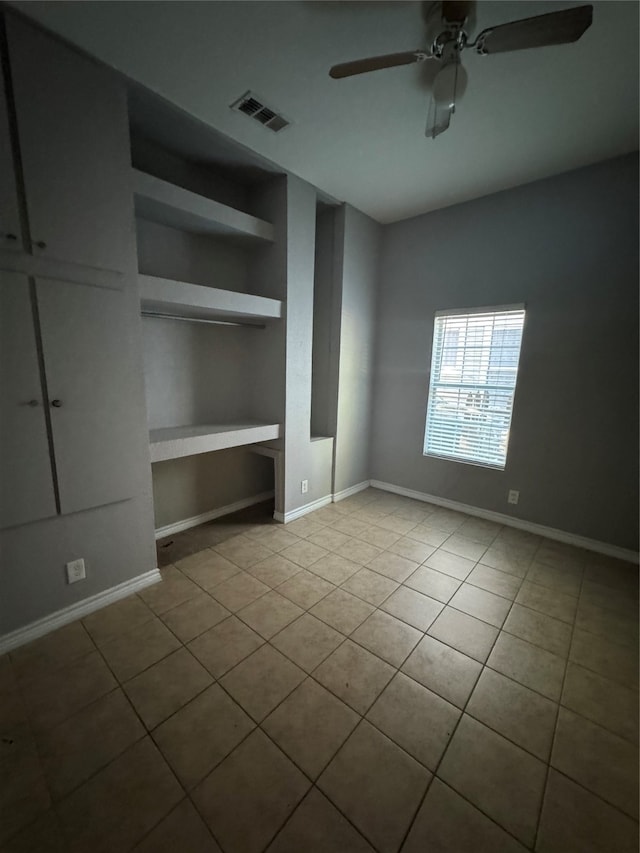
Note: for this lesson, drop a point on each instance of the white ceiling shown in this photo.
(525, 116)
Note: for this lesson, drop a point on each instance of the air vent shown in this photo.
(253, 107)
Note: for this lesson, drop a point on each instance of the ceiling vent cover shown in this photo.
(252, 106)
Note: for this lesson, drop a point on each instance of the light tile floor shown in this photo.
(380, 675)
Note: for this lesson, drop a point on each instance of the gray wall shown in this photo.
(326, 329)
(568, 248)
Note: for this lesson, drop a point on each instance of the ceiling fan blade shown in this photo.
(373, 63)
(555, 28)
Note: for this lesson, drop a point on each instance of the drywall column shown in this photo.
(568, 248)
(356, 249)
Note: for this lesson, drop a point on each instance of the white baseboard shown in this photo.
(76, 611)
(302, 510)
(352, 490)
(519, 523)
(194, 521)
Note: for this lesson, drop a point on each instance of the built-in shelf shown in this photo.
(176, 442)
(167, 204)
(196, 302)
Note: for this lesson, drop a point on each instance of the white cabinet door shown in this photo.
(73, 132)
(10, 233)
(26, 480)
(92, 392)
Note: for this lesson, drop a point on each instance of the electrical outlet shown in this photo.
(514, 496)
(76, 571)
(304, 487)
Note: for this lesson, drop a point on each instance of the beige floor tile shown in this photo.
(117, 619)
(415, 511)
(334, 568)
(457, 567)
(413, 607)
(428, 534)
(620, 663)
(183, 830)
(370, 586)
(50, 652)
(165, 687)
(52, 698)
(419, 721)
(378, 536)
(465, 633)
(194, 617)
(134, 651)
(310, 726)
(78, 747)
(354, 675)
(502, 780)
(567, 582)
(358, 551)
(604, 623)
(256, 779)
(243, 551)
(387, 637)
(304, 553)
(317, 827)
(539, 629)
(304, 527)
(396, 524)
(23, 790)
(328, 514)
(480, 530)
(442, 669)
(277, 539)
(433, 583)
(238, 591)
(170, 592)
(393, 566)
(305, 589)
(411, 549)
(622, 602)
(44, 835)
(275, 570)
(482, 604)
(446, 823)
(196, 738)
(342, 611)
(12, 711)
(207, 568)
(602, 701)
(98, 816)
(307, 641)
(329, 538)
(222, 647)
(602, 762)
(548, 601)
(575, 821)
(463, 546)
(529, 665)
(512, 710)
(508, 560)
(376, 785)
(269, 614)
(495, 581)
(262, 681)
(350, 525)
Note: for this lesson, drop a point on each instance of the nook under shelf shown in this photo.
(168, 204)
(164, 296)
(176, 442)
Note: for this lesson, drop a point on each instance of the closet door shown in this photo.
(73, 131)
(10, 233)
(26, 481)
(87, 356)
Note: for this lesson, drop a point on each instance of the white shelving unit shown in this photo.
(176, 442)
(196, 302)
(168, 204)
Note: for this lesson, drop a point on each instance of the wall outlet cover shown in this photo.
(304, 487)
(514, 496)
(76, 571)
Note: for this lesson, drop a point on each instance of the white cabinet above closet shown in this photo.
(168, 204)
(165, 296)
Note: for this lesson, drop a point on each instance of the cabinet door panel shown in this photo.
(10, 233)
(26, 481)
(87, 355)
(72, 125)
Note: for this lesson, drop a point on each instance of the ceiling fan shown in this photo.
(562, 27)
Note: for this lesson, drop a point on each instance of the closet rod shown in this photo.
(159, 316)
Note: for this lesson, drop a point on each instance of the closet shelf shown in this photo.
(167, 204)
(196, 302)
(175, 442)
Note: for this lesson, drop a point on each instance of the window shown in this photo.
(474, 366)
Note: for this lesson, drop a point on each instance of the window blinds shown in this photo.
(474, 365)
